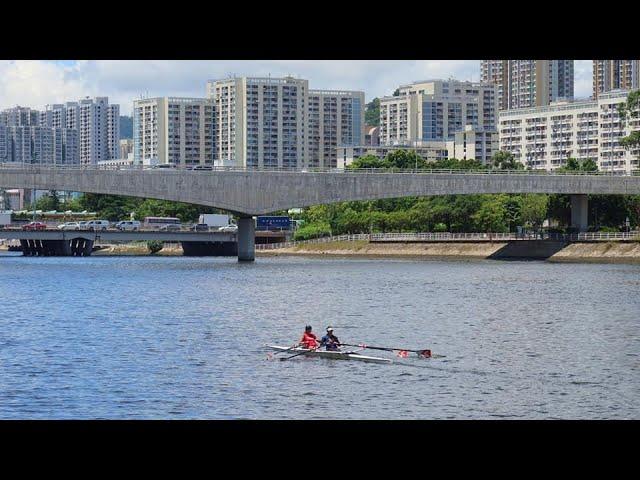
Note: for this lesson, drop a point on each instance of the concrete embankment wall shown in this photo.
(622, 252)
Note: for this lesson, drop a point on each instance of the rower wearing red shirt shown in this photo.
(309, 340)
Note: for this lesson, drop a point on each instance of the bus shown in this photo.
(157, 222)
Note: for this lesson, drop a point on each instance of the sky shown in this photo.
(36, 83)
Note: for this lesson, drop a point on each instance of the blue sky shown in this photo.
(36, 83)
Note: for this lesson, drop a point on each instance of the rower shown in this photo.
(309, 340)
(330, 341)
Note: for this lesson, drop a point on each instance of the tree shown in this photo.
(404, 159)
(533, 209)
(372, 113)
(154, 246)
(367, 161)
(396, 92)
(491, 215)
(506, 161)
(573, 164)
(628, 111)
(47, 202)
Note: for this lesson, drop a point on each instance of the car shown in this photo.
(200, 227)
(97, 225)
(165, 165)
(170, 227)
(231, 228)
(34, 226)
(202, 167)
(69, 226)
(128, 225)
(82, 225)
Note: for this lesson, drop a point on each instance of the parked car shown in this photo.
(34, 226)
(202, 167)
(171, 227)
(82, 225)
(229, 229)
(200, 227)
(128, 225)
(97, 225)
(165, 165)
(69, 226)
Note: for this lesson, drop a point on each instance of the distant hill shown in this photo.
(126, 127)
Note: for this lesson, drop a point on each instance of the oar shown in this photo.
(271, 355)
(292, 356)
(425, 352)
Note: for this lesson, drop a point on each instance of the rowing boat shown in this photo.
(331, 355)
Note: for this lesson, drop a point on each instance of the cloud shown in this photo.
(37, 83)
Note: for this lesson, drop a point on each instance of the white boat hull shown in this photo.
(331, 355)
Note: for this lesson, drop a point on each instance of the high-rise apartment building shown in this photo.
(529, 83)
(260, 121)
(615, 74)
(97, 123)
(436, 110)
(173, 130)
(545, 137)
(335, 118)
(35, 144)
(19, 117)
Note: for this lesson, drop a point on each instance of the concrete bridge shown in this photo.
(248, 192)
(80, 242)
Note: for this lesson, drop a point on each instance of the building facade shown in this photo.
(19, 117)
(371, 135)
(126, 148)
(615, 74)
(436, 110)
(173, 130)
(35, 144)
(260, 122)
(430, 151)
(545, 137)
(529, 83)
(335, 118)
(97, 123)
(474, 144)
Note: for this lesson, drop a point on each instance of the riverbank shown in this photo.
(136, 249)
(595, 252)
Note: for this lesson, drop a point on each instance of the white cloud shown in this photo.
(36, 83)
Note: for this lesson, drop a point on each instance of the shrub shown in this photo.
(312, 230)
(154, 246)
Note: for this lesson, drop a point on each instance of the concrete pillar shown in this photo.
(580, 212)
(246, 239)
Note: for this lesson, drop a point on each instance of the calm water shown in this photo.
(143, 337)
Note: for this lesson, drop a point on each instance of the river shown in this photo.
(178, 337)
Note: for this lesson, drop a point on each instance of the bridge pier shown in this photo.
(246, 239)
(580, 212)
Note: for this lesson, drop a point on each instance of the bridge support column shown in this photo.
(246, 239)
(579, 212)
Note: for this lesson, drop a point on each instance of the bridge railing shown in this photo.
(35, 168)
(448, 236)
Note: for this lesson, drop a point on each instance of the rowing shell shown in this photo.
(332, 355)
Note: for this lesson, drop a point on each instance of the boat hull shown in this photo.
(331, 355)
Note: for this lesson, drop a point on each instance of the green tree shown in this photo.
(367, 161)
(372, 113)
(491, 216)
(506, 161)
(404, 159)
(627, 112)
(47, 202)
(154, 246)
(533, 209)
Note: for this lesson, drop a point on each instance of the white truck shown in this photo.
(214, 220)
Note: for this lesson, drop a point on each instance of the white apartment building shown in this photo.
(474, 144)
(335, 118)
(529, 83)
(260, 122)
(436, 110)
(545, 137)
(173, 130)
(615, 74)
(97, 123)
